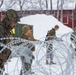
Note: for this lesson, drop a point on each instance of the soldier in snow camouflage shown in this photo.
(49, 47)
(28, 35)
(9, 22)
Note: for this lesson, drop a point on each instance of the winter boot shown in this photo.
(47, 62)
(51, 62)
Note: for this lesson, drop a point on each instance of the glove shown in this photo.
(33, 57)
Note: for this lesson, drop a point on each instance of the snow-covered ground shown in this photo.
(41, 24)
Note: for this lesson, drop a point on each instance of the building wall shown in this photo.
(69, 18)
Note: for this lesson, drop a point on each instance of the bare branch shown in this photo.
(1, 3)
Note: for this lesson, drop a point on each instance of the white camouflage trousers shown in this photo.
(49, 52)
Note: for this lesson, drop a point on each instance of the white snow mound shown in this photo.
(42, 23)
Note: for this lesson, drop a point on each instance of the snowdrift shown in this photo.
(42, 23)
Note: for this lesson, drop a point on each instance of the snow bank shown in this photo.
(42, 23)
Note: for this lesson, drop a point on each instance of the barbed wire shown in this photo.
(64, 54)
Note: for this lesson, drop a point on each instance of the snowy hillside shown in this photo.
(42, 23)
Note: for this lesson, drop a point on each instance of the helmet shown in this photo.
(12, 15)
(56, 26)
(25, 29)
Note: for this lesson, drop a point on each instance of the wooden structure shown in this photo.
(69, 16)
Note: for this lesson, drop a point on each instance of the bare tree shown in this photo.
(40, 4)
(46, 5)
(51, 5)
(1, 3)
(21, 3)
(62, 2)
(57, 9)
(9, 4)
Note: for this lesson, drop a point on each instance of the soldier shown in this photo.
(49, 47)
(9, 22)
(28, 35)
